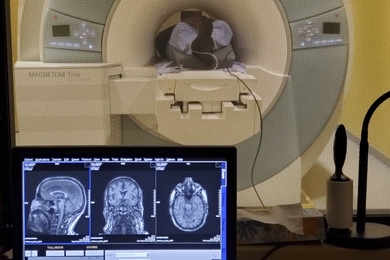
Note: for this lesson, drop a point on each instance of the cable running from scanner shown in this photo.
(261, 127)
(212, 55)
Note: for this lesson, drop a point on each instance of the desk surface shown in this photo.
(308, 250)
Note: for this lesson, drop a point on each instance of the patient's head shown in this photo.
(193, 18)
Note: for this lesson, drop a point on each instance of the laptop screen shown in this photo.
(119, 203)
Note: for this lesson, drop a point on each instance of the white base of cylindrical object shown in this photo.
(339, 204)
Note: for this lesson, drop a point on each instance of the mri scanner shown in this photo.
(86, 75)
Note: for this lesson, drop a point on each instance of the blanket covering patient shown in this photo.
(196, 35)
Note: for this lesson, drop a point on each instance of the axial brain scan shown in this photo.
(123, 207)
(58, 205)
(188, 206)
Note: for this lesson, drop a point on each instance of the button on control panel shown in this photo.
(309, 31)
(84, 34)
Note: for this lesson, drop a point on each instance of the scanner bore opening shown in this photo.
(174, 19)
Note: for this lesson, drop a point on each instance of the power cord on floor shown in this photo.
(273, 250)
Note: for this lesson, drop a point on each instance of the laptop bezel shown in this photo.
(225, 152)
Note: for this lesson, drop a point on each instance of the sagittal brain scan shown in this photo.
(188, 206)
(123, 207)
(58, 205)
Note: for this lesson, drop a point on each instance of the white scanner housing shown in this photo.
(85, 75)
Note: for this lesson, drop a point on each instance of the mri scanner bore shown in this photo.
(94, 81)
(196, 42)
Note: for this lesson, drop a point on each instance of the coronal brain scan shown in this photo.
(58, 205)
(123, 207)
(188, 205)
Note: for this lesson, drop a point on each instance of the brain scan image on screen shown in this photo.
(123, 207)
(188, 205)
(58, 205)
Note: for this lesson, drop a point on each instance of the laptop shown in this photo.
(117, 203)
